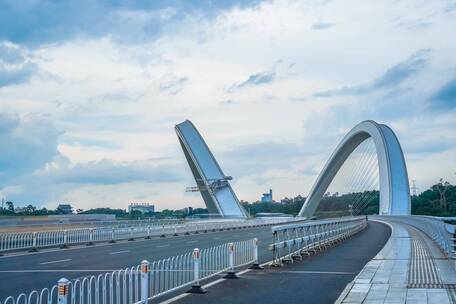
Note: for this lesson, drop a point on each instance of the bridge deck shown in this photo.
(409, 269)
(317, 279)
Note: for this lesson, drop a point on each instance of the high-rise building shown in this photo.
(267, 197)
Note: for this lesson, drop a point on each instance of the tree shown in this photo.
(30, 209)
(10, 206)
(442, 188)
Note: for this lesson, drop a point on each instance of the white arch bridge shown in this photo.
(220, 198)
(393, 177)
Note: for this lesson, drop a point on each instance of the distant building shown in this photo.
(141, 207)
(267, 197)
(64, 209)
(188, 211)
(20, 209)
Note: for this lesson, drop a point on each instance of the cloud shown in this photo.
(393, 77)
(445, 96)
(108, 172)
(322, 25)
(27, 144)
(173, 84)
(257, 158)
(255, 79)
(227, 102)
(42, 22)
(15, 67)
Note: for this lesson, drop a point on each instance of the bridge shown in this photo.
(392, 257)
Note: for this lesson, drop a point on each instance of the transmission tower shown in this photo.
(414, 188)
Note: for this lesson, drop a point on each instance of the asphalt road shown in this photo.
(33, 271)
(317, 279)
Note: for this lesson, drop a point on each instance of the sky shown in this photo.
(90, 92)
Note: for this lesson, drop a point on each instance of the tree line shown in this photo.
(438, 200)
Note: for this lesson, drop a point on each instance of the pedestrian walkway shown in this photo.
(409, 269)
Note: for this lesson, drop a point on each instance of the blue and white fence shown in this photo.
(292, 241)
(67, 237)
(146, 281)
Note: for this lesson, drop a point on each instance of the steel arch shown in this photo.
(394, 184)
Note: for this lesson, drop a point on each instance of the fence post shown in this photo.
(196, 287)
(255, 265)
(113, 237)
(63, 285)
(131, 234)
(231, 274)
(65, 240)
(90, 243)
(148, 232)
(34, 244)
(163, 232)
(276, 262)
(144, 281)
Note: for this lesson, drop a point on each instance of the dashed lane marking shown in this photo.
(57, 261)
(315, 272)
(119, 252)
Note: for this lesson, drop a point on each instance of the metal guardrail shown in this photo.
(94, 223)
(149, 280)
(442, 233)
(35, 240)
(292, 241)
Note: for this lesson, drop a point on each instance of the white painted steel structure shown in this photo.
(394, 185)
(211, 182)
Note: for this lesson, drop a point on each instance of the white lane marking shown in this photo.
(118, 252)
(315, 272)
(161, 246)
(53, 262)
(216, 238)
(190, 242)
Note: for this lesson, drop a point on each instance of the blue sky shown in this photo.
(90, 92)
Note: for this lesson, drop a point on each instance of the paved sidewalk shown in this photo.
(409, 269)
(316, 279)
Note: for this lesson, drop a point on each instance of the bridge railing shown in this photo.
(68, 224)
(444, 234)
(149, 280)
(63, 238)
(292, 241)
